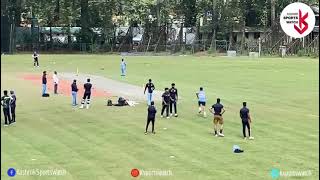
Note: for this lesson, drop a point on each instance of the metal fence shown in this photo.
(295, 47)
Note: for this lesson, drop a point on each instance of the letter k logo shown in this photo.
(302, 20)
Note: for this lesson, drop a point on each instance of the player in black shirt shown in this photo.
(173, 100)
(218, 110)
(44, 82)
(165, 102)
(150, 87)
(35, 56)
(246, 120)
(13, 106)
(5, 103)
(87, 93)
(74, 90)
(151, 117)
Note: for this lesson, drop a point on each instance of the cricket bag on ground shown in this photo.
(122, 101)
(109, 103)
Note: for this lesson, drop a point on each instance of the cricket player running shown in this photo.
(123, 67)
(150, 87)
(173, 100)
(35, 56)
(165, 102)
(218, 110)
(87, 93)
(246, 120)
(201, 95)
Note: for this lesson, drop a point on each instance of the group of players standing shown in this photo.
(86, 99)
(8, 103)
(74, 89)
(169, 102)
(170, 98)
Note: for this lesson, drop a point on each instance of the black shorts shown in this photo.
(165, 104)
(201, 103)
(86, 96)
(245, 121)
(173, 100)
(151, 118)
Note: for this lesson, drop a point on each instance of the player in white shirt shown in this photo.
(35, 56)
(56, 82)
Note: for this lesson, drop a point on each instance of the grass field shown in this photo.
(105, 143)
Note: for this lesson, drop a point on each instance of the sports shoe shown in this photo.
(161, 116)
(251, 138)
(216, 135)
(168, 117)
(145, 133)
(81, 107)
(245, 138)
(170, 114)
(221, 135)
(176, 115)
(238, 151)
(87, 106)
(5, 125)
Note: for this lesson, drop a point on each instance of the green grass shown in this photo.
(106, 143)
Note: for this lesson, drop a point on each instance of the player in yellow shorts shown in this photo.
(217, 109)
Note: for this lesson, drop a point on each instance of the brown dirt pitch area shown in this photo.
(102, 86)
(64, 86)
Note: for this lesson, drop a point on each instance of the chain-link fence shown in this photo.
(174, 41)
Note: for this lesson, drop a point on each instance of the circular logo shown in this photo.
(297, 20)
(11, 172)
(135, 172)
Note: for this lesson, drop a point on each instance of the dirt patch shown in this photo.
(117, 88)
(64, 85)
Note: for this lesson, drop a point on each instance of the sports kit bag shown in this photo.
(109, 103)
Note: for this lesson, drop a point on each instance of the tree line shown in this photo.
(214, 18)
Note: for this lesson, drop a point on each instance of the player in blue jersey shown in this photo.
(201, 95)
(123, 67)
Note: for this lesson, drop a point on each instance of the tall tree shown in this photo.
(85, 34)
(273, 12)
(189, 11)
